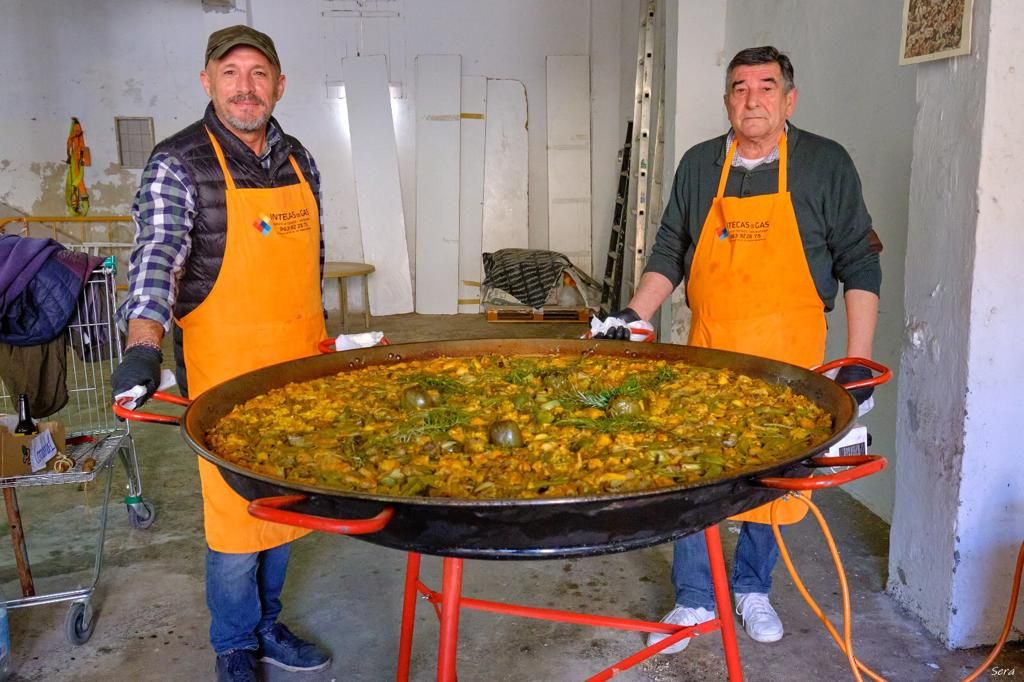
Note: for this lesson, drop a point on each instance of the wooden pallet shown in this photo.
(545, 314)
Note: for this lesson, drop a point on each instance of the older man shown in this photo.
(763, 223)
(229, 249)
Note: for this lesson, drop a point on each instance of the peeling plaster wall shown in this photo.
(959, 515)
(933, 376)
(990, 526)
(94, 60)
(104, 58)
(991, 521)
(979, 466)
(844, 55)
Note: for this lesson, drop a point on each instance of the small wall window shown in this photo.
(134, 140)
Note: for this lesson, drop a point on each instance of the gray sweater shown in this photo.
(833, 221)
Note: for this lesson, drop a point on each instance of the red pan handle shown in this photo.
(885, 374)
(273, 509)
(327, 345)
(862, 465)
(134, 415)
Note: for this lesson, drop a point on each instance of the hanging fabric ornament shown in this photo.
(75, 195)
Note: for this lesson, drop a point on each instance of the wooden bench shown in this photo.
(342, 270)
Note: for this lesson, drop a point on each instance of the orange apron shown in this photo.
(264, 308)
(750, 289)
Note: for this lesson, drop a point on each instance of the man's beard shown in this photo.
(249, 125)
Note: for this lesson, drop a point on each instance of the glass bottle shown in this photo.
(25, 424)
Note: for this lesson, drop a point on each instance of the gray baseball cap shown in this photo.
(224, 40)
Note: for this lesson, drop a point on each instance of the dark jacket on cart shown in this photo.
(39, 285)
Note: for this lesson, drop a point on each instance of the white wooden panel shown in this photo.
(378, 192)
(438, 83)
(568, 126)
(471, 191)
(506, 167)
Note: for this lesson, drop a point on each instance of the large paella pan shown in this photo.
(547, 527)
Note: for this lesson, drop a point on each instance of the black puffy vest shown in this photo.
(193, 149)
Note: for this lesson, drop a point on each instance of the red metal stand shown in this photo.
(448, 602)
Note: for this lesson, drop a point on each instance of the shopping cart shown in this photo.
(95, 440)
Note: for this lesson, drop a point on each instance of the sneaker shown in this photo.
(236, 666)
(759, 618)
(279, 647)
(680, 615)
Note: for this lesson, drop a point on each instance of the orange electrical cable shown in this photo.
(845, 643)
(1009, 619)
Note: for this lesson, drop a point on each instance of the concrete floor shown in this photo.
(152, 622)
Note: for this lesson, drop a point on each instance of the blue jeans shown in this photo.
(756, 555)
(243, 593)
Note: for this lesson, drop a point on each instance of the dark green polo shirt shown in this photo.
(825, 188)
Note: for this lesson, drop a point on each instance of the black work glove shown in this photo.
(851, 373)
(620, 333)
(140, 366)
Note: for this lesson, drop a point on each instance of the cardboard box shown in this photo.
(15, 449)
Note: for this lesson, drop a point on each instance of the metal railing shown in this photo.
(97, 235)
(88, 237)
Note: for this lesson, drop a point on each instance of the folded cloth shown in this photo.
(80, 264)
(39, 372)
(640, 330)
(361, 340)
(20, 260)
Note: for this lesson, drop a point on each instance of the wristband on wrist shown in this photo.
(144, 344)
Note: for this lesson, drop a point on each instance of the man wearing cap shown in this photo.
(229, 256)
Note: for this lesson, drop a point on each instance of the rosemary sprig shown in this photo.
(633, 424)
(441, 384)
(491, 401)
(521, 373)
(660, 376)
(599, 396)
(429, 422)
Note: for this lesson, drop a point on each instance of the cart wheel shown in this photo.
(141, 514)
(79, 623)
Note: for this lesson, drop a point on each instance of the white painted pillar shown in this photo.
(959, 511)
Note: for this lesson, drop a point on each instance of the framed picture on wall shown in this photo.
(935, 29)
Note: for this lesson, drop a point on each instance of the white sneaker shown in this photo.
(759, 618)
(680, 615)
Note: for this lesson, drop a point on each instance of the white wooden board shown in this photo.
(378, 192)
(568, 126)
(471, 193)
(506, 167)
(438, 106)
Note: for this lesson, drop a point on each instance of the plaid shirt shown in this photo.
(164, 211)
(772, 157)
